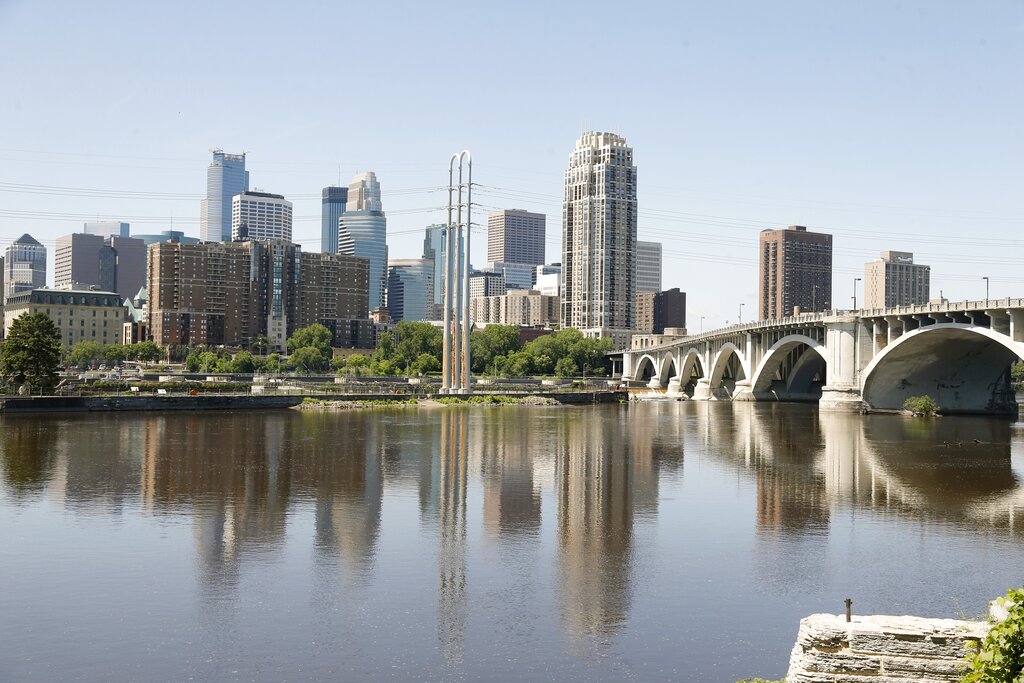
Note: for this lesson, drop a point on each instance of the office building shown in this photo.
(229, 293)
(547, 279)
(332, 206)
(648, 266)
(260, 217)
(363, 232)
(2, 275)
(515, 236)
(523, 307)
(486, 283)
(656, 311)
(517, 275)
(80, 315)
(108, 229)
(225, 177)
(24, 266)
(599, 235)
(411, 289)
(795, 272)
(166, 236)
(435, 249)
(895, 280)
(111, 264)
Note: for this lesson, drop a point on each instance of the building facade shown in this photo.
(260, 216)
(110, 264)
(230, 293)
(648, 266)
(166, 236)
(516, 236)
(656, 311)
(486, 283)
(411, 289)
(894, 279)
(435, 249)
(332, 206)
(225, 177)
(599, 234)
(108, 229)
(795, 272)
(523, 307)
(363, 232)
(24, 266)
(79, 315)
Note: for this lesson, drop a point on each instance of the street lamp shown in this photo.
(985, 278)
(702, 324)
(814, 298)
(740, 319)
(855, 281)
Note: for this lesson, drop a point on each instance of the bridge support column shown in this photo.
(702, 392)
(842, 389)
(675, 387)
(743, 391)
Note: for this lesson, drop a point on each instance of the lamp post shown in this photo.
(985, 278)
(702, 324)
(814, 298)
(740, 319)
(855, 281)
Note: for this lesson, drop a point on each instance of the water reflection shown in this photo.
(27, 455)
(453, 473)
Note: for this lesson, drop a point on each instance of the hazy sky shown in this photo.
(892, 125)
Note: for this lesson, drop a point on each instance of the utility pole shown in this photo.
(455, 377)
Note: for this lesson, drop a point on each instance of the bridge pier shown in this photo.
(702, 392)
(846, 399)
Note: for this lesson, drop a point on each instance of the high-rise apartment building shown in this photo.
(515, 236)
(260, 216)
(232, 292)
(363, 231)
(522, 307)
(648, 266)
(656, 311)
(332, 206)
(24, 266)
(795, 272)
(411, 289)
(895, 280)
(107, 229)
(599, 234)
(225, 177)
(486, 283)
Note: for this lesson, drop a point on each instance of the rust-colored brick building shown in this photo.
(796, 271)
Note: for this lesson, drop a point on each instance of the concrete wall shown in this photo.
(881, 649)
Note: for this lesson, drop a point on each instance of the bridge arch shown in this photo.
(793, 368)
(728, 368)
(964, 368)
(646, 368)
(691, 369)
(667, 370)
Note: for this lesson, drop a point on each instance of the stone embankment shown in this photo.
(88, 404)
(881, 649)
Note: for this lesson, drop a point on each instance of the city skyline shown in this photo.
(870, 127)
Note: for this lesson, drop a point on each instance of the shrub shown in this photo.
(999, 658)
(921, 405)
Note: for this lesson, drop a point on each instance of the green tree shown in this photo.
(84, 353)
(192, 362)
(425, 363)
(357, 363)
(114, 353)
(273, 363)
(565, 367)
(147, 351)
(413, 339)
(207, 361)
(491, 342)
(31, 353)
(1017, 371)
(307, 359)
(999, 658)
(316, 336)
(243, 363)
(260, 345)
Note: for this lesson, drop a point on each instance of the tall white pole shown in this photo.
(466, 324)
(448, 241)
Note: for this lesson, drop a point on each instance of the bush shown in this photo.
(921, 405)
(1000, 657)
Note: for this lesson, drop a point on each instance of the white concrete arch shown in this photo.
(687, 361)
(774, 357)
(725, 352)
(958, 365)
(638, 374)
(665, 374)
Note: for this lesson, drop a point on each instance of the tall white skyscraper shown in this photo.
(260, 216)
(24, 266)
(363, 231)
(107, 229)
(599, 234)
(895, 280)
(225, 177)
(648, 266)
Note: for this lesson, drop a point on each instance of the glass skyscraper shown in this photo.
(411, 289)
(435, 249)
(225, 177)
(331, 207)
(363, 231)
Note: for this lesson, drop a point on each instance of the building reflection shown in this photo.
(28, 454)
(452, 477)
(511, 497)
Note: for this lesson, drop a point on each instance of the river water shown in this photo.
(653, 541)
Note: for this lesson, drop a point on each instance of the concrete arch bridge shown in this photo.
(958, 353)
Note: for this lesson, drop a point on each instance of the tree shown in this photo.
(207, 361)
(260, 345)
(357, 363)
(147, 351)
(84, 353)
(565, 367)
(31, 353)
(316, 336)
(273, 363)
(113, 353)
(308, 359)
(491, 342)
(243, 363)
(425, 363)
(192, 362)
(1017, 372)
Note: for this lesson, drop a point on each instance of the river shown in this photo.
(649, 541)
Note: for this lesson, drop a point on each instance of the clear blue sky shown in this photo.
(892, 125)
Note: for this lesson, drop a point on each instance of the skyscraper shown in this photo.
(648, 266)
(796, 270)
(599, 234)
(515, 236)
(363, 231)
(225, 177)
(411, 289)
(260, 216)
(435, 248)
(895, 280)
(107, 229)
(114, 264)
(25, 266)
(332, 205)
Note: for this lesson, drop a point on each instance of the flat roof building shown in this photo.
(648, 266)
(795, 272)
(80, 315)
(516, 236)
(260, 216)
(894, 279)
